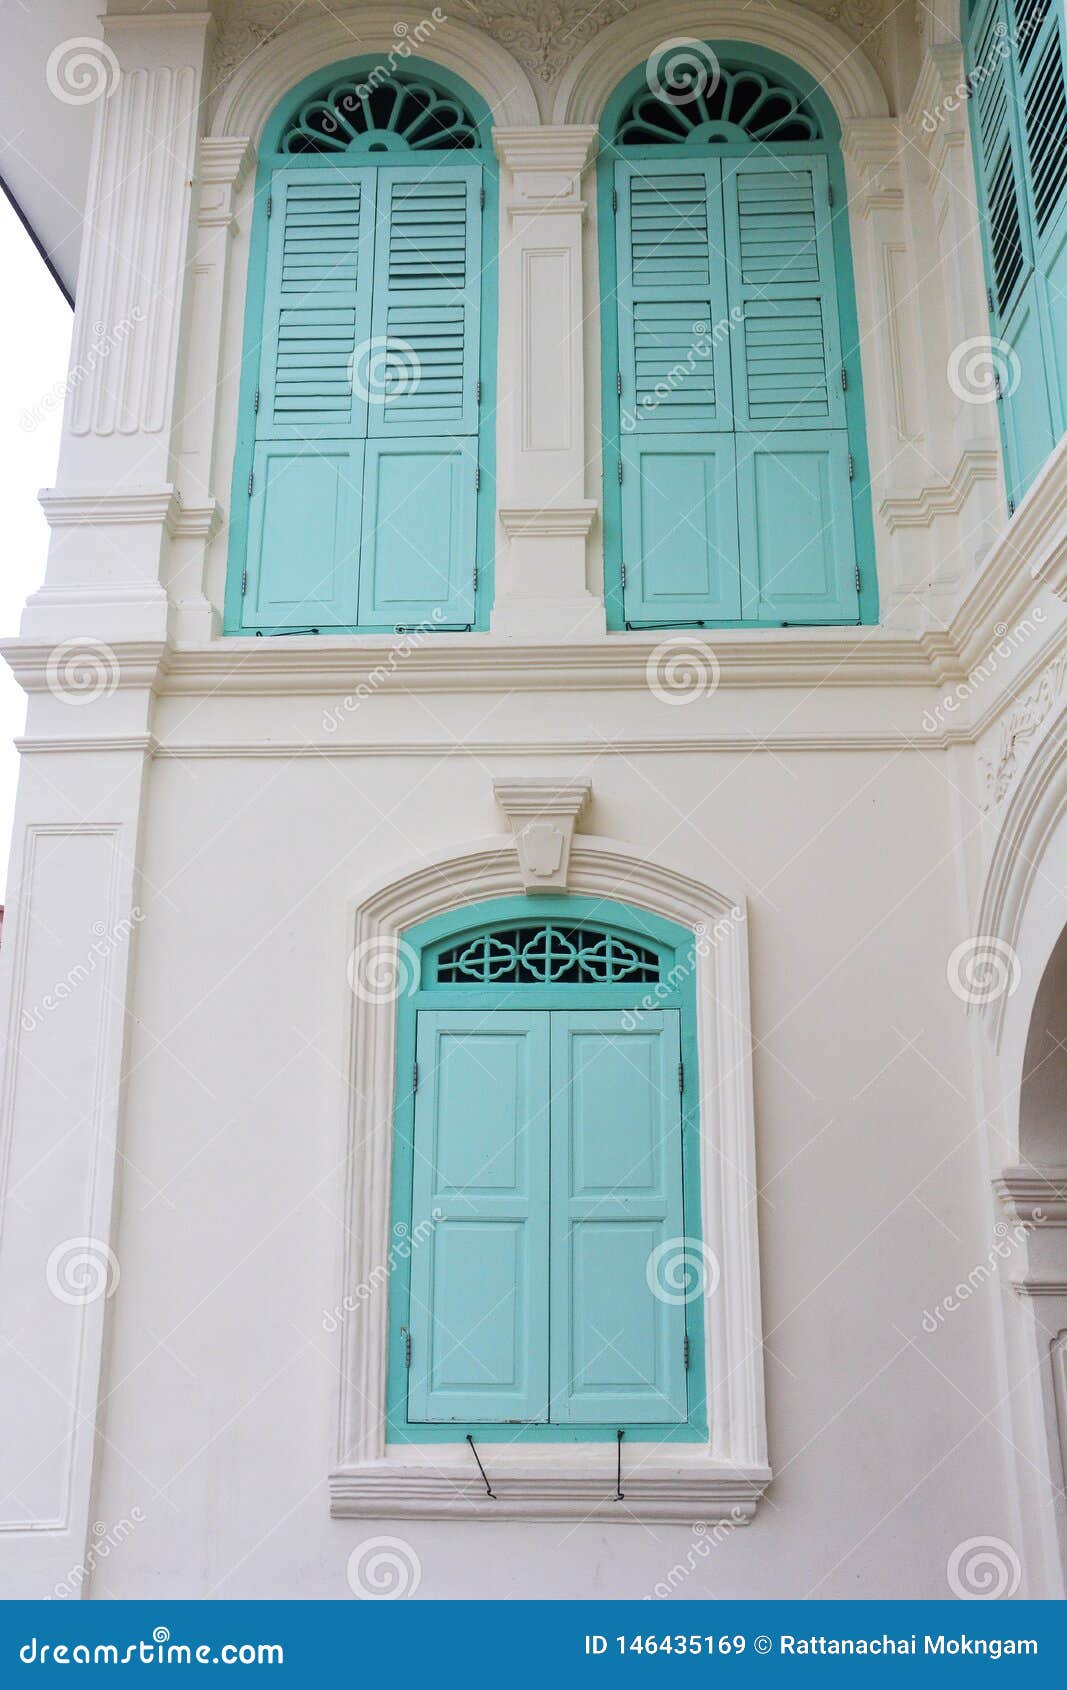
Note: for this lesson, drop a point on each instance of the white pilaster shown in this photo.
(542, 587)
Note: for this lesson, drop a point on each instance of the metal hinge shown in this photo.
(477, 478)
(251, 478)
(968, 87)
(618, 383)
(997, 384)
(1011, 507)
(407, 1346)
(620, 472)
(244, 582)
(414, 1076)
(614, 199)
(681, 1076)
(474, 577)
(989, 298)
(830, 192)
(623, 573)
(481, 198)
(685, 1351)
(857, 577)
(270, 204)
(478, 393)
(851, 467)
(255, 402)
(844, 379)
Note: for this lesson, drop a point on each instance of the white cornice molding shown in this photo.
(937, 110)
(1039, 1198)
(922, 508)
(701, 746)
(842, 68)
(548, 522)
(1029, 1287)
(543, 815)
(569, 1490)
(65, 509)
(566, 149)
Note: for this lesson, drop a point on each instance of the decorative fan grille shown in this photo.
(547, 955)
(736, 105)
(388, 114)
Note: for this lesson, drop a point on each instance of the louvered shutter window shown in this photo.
(362, 496)
(1016, 67)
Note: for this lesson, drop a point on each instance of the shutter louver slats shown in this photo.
(1045, 108)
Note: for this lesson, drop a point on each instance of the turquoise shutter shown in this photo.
(679, 514)
(306, 493)
(618, 1350)
(421, 475)
(479, 1238)
(797, 548)
(1042, 77)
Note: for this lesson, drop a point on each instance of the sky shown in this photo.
(35, 328)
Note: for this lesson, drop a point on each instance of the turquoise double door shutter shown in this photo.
(547, 1172)
(363, 487)
(1017, 65)
(736, 497)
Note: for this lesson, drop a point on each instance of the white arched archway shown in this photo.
(843, 70)
(266, 75)
(720, 1480)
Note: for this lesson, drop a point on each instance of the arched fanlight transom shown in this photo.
(545, 953)
(391, 114)
(732, 103)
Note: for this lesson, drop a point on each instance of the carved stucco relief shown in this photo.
(1024, 725)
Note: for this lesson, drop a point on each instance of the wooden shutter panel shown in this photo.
(479, 1271)
(420, 512)
(618, 1349)
(306, 499)
(1043, 83)
(797, 547)
(679, 513)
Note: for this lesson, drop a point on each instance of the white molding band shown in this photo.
(370, 1479)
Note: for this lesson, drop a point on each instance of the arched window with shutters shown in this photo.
(362, 495)
(1016, 64)
(736, 480)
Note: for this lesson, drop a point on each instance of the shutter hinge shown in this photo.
(481, 197)
(244, 582)
(618, 383)
(251, 478)
(989, 299)
(414, 1076)
(851, 467)
(614, 199)
(968, 87)
(830, 192)
(620, 472)
(622, 569)
(997, 384)
(681, 1076)
(844, 379)
(478, 478)
(270, 205)
(407, 1346)
(474, 578)
(685, 1351)
(478, 392)
(1011, 507)
(255, 402)
(857, 577)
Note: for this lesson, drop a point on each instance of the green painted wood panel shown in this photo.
(617, 1347)
(303, 534)
(480, 1206)
(679, 502)
(795, 519)
(418, 532)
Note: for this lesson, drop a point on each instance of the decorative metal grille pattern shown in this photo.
(390, 114)
(547, 955)
(740, 105)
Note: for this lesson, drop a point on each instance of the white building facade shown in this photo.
(813, 861)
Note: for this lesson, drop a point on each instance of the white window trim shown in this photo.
(720, 1480)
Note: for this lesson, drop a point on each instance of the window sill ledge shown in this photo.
(551, 1490)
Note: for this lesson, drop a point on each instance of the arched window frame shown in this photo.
(736, 53)
(270, 158)
(675, 947)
